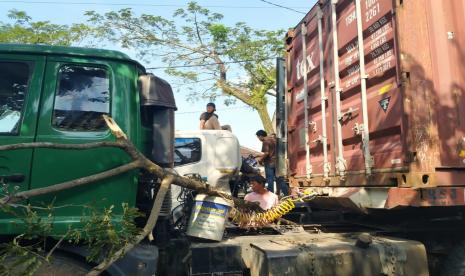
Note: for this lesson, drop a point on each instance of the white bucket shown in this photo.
(208, 217)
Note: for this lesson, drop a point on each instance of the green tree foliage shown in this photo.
(236, 61)
(23, 29)
(99, 232)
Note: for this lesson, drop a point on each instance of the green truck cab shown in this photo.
(58, 95)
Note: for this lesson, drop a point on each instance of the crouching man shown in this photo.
(260, 194)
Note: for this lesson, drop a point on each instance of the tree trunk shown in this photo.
(265, 118)
(245, 98)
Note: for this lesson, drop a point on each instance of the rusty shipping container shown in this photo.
(388, 114)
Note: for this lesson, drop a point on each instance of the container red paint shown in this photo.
(396, 116)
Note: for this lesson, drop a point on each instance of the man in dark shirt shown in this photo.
(268, 158)
(209, 120)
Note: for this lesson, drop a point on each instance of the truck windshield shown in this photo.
(186, 151)
(14, 80)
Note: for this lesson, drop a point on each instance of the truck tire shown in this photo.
(454, 264)
(63, 265)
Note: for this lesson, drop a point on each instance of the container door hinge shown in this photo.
(326, 170)
(313, 126)
(359, 129)
(347, 114)
(309, 171)
(341, 167)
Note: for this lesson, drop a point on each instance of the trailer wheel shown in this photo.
(454, 264)
(63, 265)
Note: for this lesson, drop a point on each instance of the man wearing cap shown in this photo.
(209, 120)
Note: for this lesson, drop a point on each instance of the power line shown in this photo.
(283, 7)
(199, 111)
(141, 5)
(209, 64)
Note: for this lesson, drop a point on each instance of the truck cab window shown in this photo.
(186, 151)
(14, 79)
(82, 97)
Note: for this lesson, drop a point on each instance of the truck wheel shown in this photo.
(454, 264)
(63, 265)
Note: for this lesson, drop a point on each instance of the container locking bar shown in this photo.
(308, 165)
(323, 138)
(340, 163)
(365, 132)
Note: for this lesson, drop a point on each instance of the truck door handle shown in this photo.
(16, 177)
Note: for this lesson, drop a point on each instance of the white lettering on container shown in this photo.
(378, 24)
(375, 44)
(352, 82)
(300, 66)
(370, 3)
(380, 50)
(383, 67)
(385, 56)
(351, 59)
(351, 18)
(381, 32)
(353, 70)
(352, 47)
(372, 12)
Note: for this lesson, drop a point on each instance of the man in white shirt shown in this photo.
(260, 194)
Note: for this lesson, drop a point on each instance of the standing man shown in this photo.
(260, 194)
(209, 120)
(268, 158)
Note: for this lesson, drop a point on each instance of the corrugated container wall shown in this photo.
(390, 113)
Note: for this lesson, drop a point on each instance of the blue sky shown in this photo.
(257, 14)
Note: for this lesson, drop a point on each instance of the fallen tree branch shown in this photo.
(70, 184)
(139, 161)
(62, 146)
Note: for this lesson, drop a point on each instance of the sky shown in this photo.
(256, 13)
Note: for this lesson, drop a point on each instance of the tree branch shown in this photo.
(235, 92)
(139, 162)
(197, 29)
(62, 146)
(71, 184)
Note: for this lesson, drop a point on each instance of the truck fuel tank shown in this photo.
(313, 254)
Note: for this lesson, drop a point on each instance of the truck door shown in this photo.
(20, 89)
(77, 92)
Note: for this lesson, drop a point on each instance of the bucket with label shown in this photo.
(208, 217)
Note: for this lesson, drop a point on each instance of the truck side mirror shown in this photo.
(158, 105)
